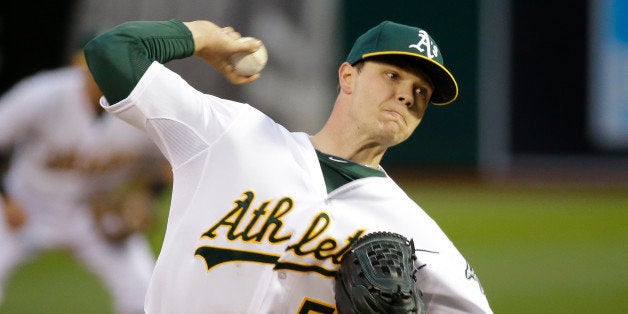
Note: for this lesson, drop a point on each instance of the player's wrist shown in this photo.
(203, 33)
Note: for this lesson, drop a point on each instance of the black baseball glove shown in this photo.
(378, 276)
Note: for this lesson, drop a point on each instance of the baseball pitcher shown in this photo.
(262, 218)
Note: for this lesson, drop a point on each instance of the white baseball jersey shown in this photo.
(252, 228)
(63, 152)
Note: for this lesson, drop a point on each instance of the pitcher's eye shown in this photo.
(420, 91)
(392, 75)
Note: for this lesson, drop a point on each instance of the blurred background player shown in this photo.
(76, 181)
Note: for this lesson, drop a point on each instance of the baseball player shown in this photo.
(65, 150)
(261, 217)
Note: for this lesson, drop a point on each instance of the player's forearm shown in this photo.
(203, 34)
(119, 58)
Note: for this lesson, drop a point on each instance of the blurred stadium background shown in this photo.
(527, 172)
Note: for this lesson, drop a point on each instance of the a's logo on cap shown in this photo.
(425, 45)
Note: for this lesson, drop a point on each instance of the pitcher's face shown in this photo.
(390, 101)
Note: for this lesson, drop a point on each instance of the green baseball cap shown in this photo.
(389, 38)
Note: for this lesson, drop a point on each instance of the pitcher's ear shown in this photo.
(346, 77)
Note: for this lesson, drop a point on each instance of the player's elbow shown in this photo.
(94, 52)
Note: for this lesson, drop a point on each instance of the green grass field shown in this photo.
(536, 249)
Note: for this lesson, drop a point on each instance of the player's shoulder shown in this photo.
(54, 78)
(45, 86)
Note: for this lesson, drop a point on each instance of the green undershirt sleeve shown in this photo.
(118, 58)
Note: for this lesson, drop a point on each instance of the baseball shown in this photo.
(250, 63)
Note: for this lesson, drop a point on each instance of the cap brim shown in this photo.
(446, 87)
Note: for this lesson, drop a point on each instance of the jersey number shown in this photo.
(311, 307)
